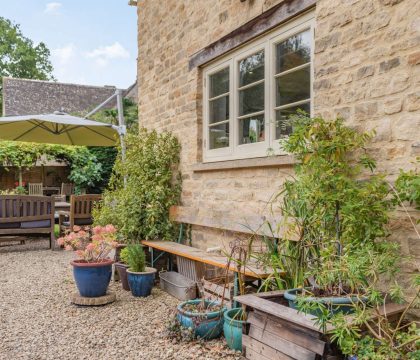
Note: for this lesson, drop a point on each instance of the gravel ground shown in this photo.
(37, 320)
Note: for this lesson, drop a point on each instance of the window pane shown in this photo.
(219, 83)
(251, 99)
(294, 86)
(219, 109)
(251, 130)
(219, 136)
(293, 52)
(251, 69)
(283, 128)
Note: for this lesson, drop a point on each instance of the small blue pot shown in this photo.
(141, 283)
(232, 328)
(92, 279)
(205, 325)
(334, 304)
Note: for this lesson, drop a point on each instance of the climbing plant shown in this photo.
(85, 170)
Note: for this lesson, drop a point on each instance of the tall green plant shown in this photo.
(335, 206)
(139, 207)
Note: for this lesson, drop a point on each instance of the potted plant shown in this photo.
(140, 278)
(122, 267)
(204, 317)
(339, 212)
(235, 318)
(92, 271)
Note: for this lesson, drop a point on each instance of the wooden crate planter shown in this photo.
(275, 331)
(215, 290)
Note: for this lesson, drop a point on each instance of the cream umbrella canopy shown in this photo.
(58, 128)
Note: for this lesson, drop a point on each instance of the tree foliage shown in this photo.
(20, 57)
(140, 206)
(110, 116)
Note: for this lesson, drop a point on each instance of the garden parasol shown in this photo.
(58, 128)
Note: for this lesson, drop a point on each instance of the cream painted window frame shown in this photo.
(267, 42)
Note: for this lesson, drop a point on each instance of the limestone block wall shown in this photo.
(366, 70)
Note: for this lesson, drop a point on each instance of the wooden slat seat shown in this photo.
(22, 216)
(204, 257)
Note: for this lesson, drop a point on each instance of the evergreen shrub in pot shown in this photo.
(140, 278)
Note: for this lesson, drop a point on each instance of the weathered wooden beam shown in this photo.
(268, 20)
(257, 224)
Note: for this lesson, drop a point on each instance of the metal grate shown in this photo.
(190, 269)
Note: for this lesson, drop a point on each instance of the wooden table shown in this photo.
(62, 206)
(51, 189)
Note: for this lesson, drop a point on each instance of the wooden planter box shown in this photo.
(215, 290)
(275, 331)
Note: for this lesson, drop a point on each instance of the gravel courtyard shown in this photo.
(37, 320)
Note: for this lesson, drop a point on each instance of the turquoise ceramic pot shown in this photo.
(335, 304)
(232, 328)
(205, 325)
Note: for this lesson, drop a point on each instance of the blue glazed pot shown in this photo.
(232, 328)
(334, 304)
(92, 279)
(205, 325)
(141, 283)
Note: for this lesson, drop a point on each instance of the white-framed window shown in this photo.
(249, 93)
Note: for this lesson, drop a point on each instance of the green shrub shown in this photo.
(139, 207)
(135, 258)
(124, 255)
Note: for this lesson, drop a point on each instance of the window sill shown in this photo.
(271, 161)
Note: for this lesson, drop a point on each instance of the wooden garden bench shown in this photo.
(191, 216)
(23, 216)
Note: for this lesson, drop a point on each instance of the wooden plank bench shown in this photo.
(23, 216)
(254, 225)
(204, 257)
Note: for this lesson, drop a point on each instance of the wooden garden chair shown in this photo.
(36, 189)
(80, 213)
(67, 189)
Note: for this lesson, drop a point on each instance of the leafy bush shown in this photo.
(139, 205)
(408, 187)
(135, 258)
(124, 256)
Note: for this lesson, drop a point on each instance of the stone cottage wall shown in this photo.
(366, 70)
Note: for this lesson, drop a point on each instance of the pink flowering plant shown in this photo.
(90, 245)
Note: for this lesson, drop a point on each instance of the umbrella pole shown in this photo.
(121, 122)
(121, 127)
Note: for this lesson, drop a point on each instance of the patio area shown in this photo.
(35, 284)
